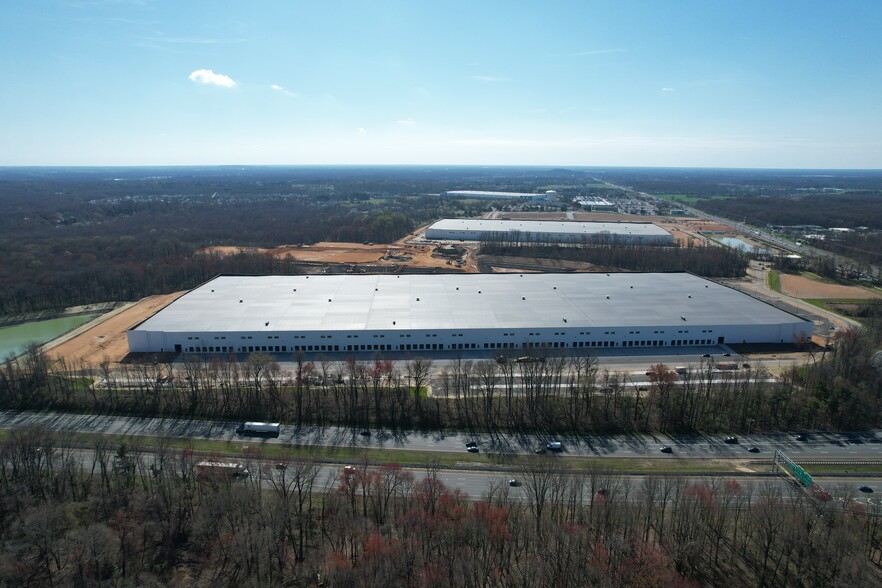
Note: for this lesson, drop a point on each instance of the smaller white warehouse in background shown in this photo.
(454, 229)
(483, 195)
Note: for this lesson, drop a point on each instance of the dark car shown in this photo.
(514, 483)
(705, 354)
(800, 437)
(666, 449)
(365, 433)
(745, 366)
(727, 355)
(539, 451)
(865, 489)
(472, 450)
(472, 444)
(731, 440)
(753, 449)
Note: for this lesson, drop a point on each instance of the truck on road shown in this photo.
(221, 470)
(255, 429)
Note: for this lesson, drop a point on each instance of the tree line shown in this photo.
(70, 237)
(839, 389)
(112, 514)
(712, 262)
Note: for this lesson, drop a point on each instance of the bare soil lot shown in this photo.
(105, 337)
(802, 287)
(403, 255)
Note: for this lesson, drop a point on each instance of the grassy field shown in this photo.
(688, 199)
(821, 279)
(775, 280)
(827, 304)
(679, 198)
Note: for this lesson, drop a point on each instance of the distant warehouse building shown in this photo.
(483, 195)
(405, 313)
(455, 229)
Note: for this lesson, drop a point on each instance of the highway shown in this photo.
(514, 482)
(865, 446)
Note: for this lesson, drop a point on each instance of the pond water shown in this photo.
(739, 244)
(15, 339)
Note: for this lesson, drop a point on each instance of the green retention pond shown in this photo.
(16, 338)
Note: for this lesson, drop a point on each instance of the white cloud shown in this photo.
(667, 90)
(279, 88)
(361, 131)
(490, 79)
(407, 122)
(206, 76)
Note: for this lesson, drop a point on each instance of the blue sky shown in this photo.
(681, 83)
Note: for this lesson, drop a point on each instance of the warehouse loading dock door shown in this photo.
(178, 349)
(721, 340)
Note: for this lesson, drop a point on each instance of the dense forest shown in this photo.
(770, 183)
(111, 515)
(79, 236)
(710, 262)
(830, 210)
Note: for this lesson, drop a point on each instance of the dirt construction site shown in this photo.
(104, 339)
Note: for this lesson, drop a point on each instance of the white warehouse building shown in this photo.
(405, 313)
(455, 229)
(484, 195)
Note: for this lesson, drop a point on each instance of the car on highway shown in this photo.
(727, 355)
(554, 446)
(753, 449)
(472, 449)
(348, 470)
(865, 489)
(365, 433)
(514, 483)
(472, 444)
(730, 440)
(666, 449)
(745, 366)
(800, 437)
(539, 450)
(705, 354)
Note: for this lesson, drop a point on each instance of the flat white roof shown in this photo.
(458, 301)
(571, 227)
(494, 194)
